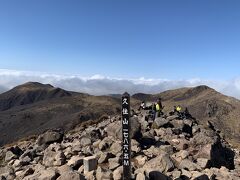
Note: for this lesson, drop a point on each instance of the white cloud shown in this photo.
(99, 85)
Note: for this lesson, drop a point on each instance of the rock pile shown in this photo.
(168, 149)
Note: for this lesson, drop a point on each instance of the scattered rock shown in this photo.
(104, 156)
(115, 130)
(203, 163)
(71, 175)
(53, 156)
(118, 173)
(114, 163)
(10, 156)
(189, 165)
(140, 176)
(161, 122)
(140, 160)
(161, 163)
(85, 141)
(116, 148)
(102, 174)
(75, 162)
(49, 174)
(169, 149)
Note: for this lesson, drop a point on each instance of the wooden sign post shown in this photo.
(126, 128)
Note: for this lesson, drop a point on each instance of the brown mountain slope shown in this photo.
(205, 104)
(28, 93)
(34, 109)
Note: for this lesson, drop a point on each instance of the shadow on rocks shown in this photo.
(155, 175)
(222, 156)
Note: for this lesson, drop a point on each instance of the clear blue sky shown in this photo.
(155, 39)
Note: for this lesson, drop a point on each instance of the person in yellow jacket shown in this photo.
(159, 107)
(178, 111)
(178, 108)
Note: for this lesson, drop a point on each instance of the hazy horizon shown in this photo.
(101, 85)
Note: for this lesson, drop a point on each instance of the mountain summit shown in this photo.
(32, 108)
(207, 105)
(28, 93)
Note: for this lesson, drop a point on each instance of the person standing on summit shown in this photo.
(159, 107)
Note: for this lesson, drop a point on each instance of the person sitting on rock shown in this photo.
(179, 112)
(178, 109)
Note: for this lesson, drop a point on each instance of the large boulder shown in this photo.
(118, 173)
(6, 171)
(104, 156)
(189, 165)
(115, 129)
(71, 175)
(102, 173)
(23, 174)
(211, 148)
(116, 148)
(161, 122)
(105, 143)
(13, 153)
(140, 160)
(161, 163)
(114, 162)
(43, 174)
(75, 162)
(49, 137)
(53, 156)
(48, 174)
(85, 141)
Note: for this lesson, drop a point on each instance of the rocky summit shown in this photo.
(169, 148)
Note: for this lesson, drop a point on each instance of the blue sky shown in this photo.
(169, 39)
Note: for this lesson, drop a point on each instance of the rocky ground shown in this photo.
(169, 149)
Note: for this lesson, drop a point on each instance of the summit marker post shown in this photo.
(126, 140)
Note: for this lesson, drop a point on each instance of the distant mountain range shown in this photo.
(32, 108)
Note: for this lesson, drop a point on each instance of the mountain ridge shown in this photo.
(206, 104)
(68, 109)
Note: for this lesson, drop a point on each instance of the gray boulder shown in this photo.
(53, 156)
(49, 137)
(85, 141)
(114, 163)
(71, 175)
(102, 174)
(161, 163)
(160, 122)
(75, 162)
(115, 129)
(13, 153)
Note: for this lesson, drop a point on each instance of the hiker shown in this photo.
(178, 111)
(142, 106)
(153, 111)
(159, 108)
